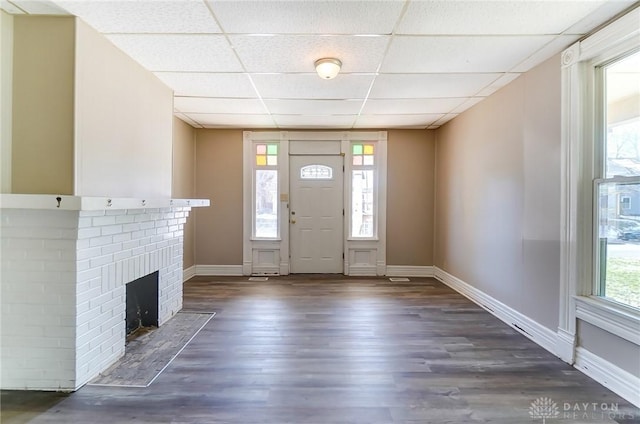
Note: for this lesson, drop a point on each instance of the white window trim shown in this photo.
(578, 172)
(276, 251)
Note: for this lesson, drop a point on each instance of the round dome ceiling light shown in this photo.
(328, 68)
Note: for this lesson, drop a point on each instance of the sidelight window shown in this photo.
(363, 190)
(265, 193)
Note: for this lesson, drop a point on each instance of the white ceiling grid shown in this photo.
(406, 64)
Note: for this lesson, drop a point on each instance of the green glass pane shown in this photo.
(272, 149)
(357, 149)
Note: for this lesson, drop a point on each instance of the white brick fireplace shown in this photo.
(64, 268)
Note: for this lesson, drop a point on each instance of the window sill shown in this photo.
(621, 320)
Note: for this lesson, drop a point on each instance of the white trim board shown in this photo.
(531, 329)
(223, 270)
(409, 271)
(609, 375)
(188, 273)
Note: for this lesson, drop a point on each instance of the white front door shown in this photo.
(316, 214)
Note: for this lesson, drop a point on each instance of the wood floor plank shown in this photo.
(329, 349)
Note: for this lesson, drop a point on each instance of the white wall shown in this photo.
(124, 117)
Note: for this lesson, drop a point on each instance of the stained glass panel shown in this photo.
(266, 154)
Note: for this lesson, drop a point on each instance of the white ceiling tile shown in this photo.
(468, 103)
(189, 52)
(199, 84)
(40, 7)
(310, 86)
(412, 86)
(314, 107)
(396, 121)
(10, 8)
(493, 17)
(228, 120)
(315, 121)
(216, 105)
(460, 54)
(555, 46)
(144, 16)
(291, 53)
(497, 84)
(308, 17)
(402, 106)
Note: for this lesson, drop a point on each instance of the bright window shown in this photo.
(618, 188)
(363, 190)
(266, 190)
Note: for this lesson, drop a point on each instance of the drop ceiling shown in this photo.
(406, 64)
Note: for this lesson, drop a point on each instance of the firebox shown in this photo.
(142, 302)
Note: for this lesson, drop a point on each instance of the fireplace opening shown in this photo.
(142, 304)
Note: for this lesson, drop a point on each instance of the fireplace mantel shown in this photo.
(65, 262)
(92, 203)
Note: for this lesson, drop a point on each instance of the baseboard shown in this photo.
(609, 375)
(531, 329)
(188, 273)
(223, 270)
(409, 271)
(566, 346)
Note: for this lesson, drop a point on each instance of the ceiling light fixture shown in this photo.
(328, 67)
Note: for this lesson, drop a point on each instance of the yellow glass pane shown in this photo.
(261, 160)
(368, 149)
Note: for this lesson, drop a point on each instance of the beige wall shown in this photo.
(498, 204)
(184, 184)
(219, 178)
(498, 195)
(6, 73)
(410, 196)
(43, 105)
(124, 123)
(614, 349)
(87, 120)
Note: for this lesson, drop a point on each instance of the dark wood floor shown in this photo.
(326, 350)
